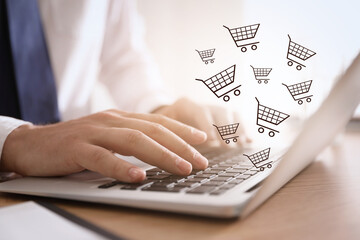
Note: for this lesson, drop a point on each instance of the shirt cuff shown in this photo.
(7, 125)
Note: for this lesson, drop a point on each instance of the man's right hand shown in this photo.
(89, 143)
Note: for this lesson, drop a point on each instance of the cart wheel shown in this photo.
(212, 61)
(266, 81)
(243, 49)
(271, 134)
(226, 98)
(206, 62)
(234, 140)
(237, 92)
(259, 81)
(227, 141)
(254, 47)
(269, 165)
(262, 169)
(261, 129)
(299, 67)
(308, 99)
(290, 63)
(300, 102)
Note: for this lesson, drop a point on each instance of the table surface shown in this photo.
(322, 202)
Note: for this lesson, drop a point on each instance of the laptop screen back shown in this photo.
(319, 130)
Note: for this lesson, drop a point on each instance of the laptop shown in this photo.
(231, 186)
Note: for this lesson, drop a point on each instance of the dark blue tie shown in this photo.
(36, 90)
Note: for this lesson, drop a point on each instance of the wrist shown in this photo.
(12, 147)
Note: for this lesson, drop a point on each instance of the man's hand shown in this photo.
(89, 143)
(203, 118)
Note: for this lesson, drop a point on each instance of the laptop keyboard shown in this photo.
(225, 171)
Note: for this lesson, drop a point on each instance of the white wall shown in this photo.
(176, 28)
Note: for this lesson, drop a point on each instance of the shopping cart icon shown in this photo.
(266, 115)
(228, 132)
(207, 55)
(299, 91)
(220, 83)
(245, 33)
(261, 74)
(299, 52)
(260, 159)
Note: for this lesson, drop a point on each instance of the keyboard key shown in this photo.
(226, 174)
(214, 171)
(218, 192)
(165, 174)
(207, 175)
(162, 189)
(196, 179)
(175, 178)
(134, 186)
(237, 180)
(222, 179)
(236, 170)
(201, 189)
(157, 177)
(233, 161)
(130, 187)
(220, 168)
(244, 165)
(193, 172)
(228, 186)
(251, 172)
(185, 184)
(109, 184)
(244, 177)
(154, 170)
(223, 164)
(151, 173)
(162, 184)
(212, 183)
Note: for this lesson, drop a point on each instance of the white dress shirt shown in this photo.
(94, 43)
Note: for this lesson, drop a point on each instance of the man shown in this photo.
(88, 42)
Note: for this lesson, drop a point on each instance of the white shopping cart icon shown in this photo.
(261, 74)
(260, 159)
(299, 91)
(240, 36)
(207, 55)
(299, 52)
(221, 83)
(268, 116)
(227, 132)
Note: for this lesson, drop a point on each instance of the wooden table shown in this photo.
(322, 202)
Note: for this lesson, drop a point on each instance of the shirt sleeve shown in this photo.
(7, 125)
(127, 70)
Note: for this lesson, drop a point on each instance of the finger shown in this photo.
(132, 142)
(203, 120)
(167, 139)
(100, 160)
(186, 132)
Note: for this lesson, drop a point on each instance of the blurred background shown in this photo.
(175, 29)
